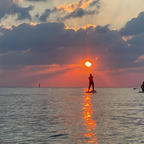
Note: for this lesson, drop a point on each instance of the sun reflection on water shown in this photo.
(89, 123)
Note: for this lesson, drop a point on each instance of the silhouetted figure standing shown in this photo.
(91, 82)
(142, 86)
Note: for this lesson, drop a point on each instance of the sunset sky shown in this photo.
(47, 42)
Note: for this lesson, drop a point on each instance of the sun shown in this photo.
(88, 64)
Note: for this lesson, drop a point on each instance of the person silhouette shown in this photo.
(91, 82)
(142, 86)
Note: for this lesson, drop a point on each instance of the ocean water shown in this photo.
(70, 116)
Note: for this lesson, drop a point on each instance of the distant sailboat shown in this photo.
(39, 85)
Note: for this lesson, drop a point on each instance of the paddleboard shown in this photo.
(92, 91)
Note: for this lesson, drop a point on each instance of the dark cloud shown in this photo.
(95, 3)
(138, 43)
(23, 13)
(134, 31)
(134, 26)
(45, 15)
(79, 13)
(51, 43)
(4, 6)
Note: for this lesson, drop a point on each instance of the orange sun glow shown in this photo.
(88, 64)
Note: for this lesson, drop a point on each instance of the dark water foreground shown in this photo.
(69, 116)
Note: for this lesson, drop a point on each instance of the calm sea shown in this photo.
(70, 116)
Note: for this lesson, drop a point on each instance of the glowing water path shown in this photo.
(89, 123)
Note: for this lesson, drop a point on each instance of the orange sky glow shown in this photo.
(78, 75)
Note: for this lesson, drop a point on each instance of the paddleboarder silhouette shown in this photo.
(142, 86)
(91, 82)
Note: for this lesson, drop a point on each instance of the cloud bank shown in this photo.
(52, 43)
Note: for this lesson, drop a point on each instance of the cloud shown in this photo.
(137, 43)
(79, 13)
(95, 3)
(4, 5)
(79, 9)
(52, 43)
(76, 9)
(22, 13)
(75, 14)
(75, 5)
(134, 26)
(45, 15)
(133, 34)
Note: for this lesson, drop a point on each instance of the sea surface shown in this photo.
(71, 116)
